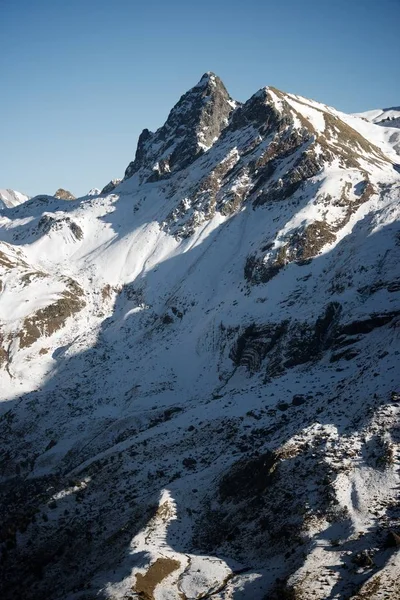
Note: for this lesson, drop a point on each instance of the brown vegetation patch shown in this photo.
(27, 278)
(9, 263)
(62, 194)
(3, 352)
(304, 244)
(369, 590)
(3, 356)
(50, 319)
(157, 572)
(106, 292)
(305, 122)
(351, 144)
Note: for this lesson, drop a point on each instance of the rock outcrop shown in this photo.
(110, 187)
(64, 194)
(192, 127)
(199, 365)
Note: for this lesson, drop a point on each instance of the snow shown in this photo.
(144, 404)
(380, 115)
(310, 111)
(93, 192)
(9, 198)
(389, 121)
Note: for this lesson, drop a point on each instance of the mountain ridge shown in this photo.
(10, 198)
(199, 365)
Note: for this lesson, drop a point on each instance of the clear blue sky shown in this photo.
(81, 78)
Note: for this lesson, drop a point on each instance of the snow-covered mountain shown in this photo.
(9, 198)
(200, 364)
(388, 118)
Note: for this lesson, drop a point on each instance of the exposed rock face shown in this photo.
(200, 365)
(49, 223)
(303, 244)
(269, 152)
(286, 344)
(33, 324)
(53, 317)
(192, 127)
(64, 194)
(110, 187)
(281, 346)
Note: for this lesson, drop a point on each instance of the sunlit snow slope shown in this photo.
(199, 366)
(9, 198)
(388, 118)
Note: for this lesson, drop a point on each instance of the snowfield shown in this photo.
(9, 198)
(199, 369)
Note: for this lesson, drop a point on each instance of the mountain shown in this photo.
(9, 198)
(388, 118)
(199, 384)
(64, 194)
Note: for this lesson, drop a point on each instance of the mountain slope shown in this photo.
(199, 365)
(388, 118)
(9, 198)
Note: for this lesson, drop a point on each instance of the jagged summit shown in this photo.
(110, 186)
(200, 365)
(208, 78)
(193, 125)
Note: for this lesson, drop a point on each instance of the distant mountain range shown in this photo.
(9, 198)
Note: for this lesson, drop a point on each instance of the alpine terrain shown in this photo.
(200, 364)
(9, 198)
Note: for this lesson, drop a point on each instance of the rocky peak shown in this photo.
(262, 110)
(193, 125)
(64, 194)
(110, 187)
(125, 348)
(94, 192)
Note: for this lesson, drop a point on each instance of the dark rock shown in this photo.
(189, 463)
(363, 559)
(259, 110)
(304, 244)
(367, 325)
(392, 540)
(248, 477)
(395, 397)
(192, 126)
(48, 223)
(298, 400)
(50, 445)
(110, 187)
(348, 354)
(286, 344)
